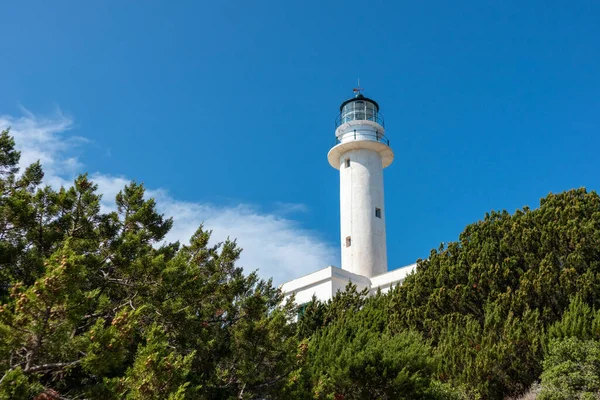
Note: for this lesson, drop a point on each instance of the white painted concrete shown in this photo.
(325, 283)
(361, 156)
(386, 281)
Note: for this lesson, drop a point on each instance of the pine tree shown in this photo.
(19, 259)
(486, 300)
(95, 305)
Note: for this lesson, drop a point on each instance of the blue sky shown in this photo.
(225, 110)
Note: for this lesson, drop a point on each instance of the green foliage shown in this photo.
(571, 370)
(9, 157)
(20, 213)
(579, 320)
(15, 385)
(96, 305)
(93, 305)
(490, 356)
(350, 356)
(572, 363)
(361, 363)
(316, 314)
(486, 300)
(311, 318)
(157, 372)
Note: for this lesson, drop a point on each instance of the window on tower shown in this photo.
(378, 212)
(347, 163)
(348, 241)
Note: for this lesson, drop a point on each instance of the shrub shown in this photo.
(571, 370)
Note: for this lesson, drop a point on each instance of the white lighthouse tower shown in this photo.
(361, 152)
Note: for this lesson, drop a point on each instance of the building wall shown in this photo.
(390, 279)
(325, 283)
(323, 291)
(363, 233)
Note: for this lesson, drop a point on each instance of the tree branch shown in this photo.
(48, 367)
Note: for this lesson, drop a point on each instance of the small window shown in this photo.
(378, 212)
(347, 163)
(348, 241)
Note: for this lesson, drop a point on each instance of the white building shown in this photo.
(360, 153)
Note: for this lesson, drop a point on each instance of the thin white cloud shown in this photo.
(44, 139)
(274, 244)
(290, 208)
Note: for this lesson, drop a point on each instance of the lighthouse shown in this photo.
(360, 152)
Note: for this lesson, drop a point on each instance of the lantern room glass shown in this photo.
(359, 110)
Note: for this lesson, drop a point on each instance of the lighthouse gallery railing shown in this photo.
(349, 136)
(358, 115)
